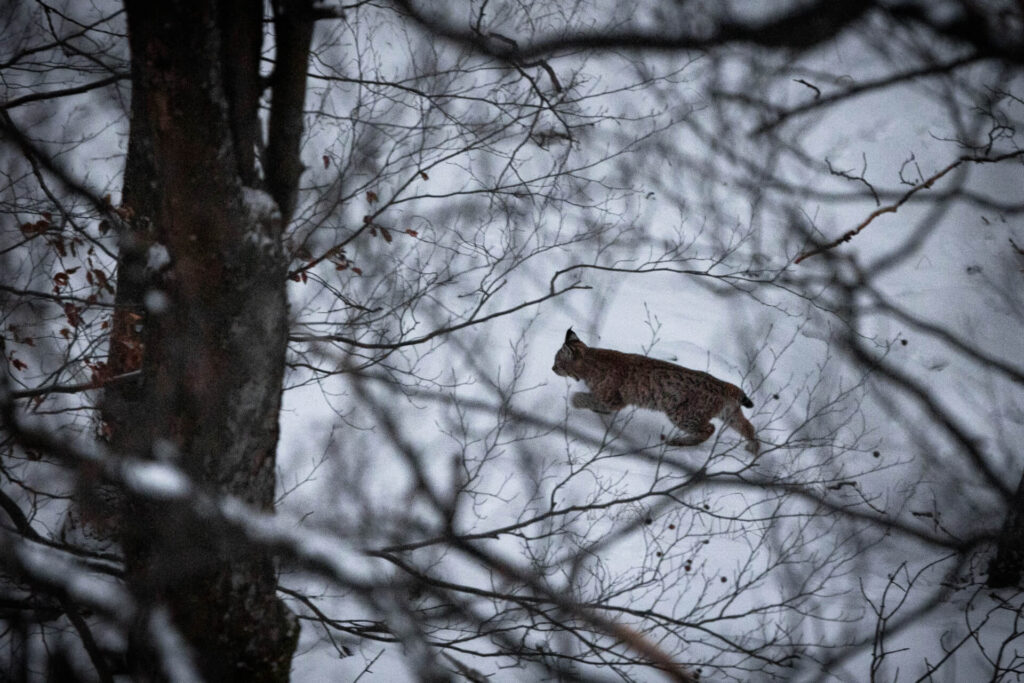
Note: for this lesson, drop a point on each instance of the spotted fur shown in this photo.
(689, 398)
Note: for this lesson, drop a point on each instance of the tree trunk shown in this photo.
(215, 332)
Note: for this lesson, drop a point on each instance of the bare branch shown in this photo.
(893, 208)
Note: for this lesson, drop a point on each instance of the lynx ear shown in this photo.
(570, 337)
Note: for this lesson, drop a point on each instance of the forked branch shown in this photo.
(894, 207)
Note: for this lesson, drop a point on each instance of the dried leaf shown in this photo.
(73, 314)
(410, 231)
(371, 197)
(327, 161)
(33, 229)
(386, 234)
(101, 280)
(100, 373)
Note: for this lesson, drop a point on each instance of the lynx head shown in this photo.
(570, 356)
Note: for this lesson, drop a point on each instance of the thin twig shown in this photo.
(73, 388)
(821, 101)
(436, 333)
(893, 208)
(816, 89)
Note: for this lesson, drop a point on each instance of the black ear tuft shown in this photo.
(570, 336)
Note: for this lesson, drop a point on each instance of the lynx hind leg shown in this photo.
(697, 431)
(587, 401)
(736, 421)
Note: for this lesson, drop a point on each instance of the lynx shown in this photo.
(688, 397)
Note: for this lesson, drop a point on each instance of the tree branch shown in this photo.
(436, 333)
(821, 101)
(893, 208)
(801, 28)
(57, 388)
(54, 94)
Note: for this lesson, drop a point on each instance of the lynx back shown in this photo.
(690, 398)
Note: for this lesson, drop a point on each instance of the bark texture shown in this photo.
(213, 321)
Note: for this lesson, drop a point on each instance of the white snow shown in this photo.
(259, 205)
(156, 301)
(156, 479)
(81, 583)
(157, 257)
(175, 655)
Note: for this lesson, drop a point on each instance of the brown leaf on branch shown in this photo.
(73, 314)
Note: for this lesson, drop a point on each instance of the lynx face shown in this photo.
(568, 356)
(689, 398)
